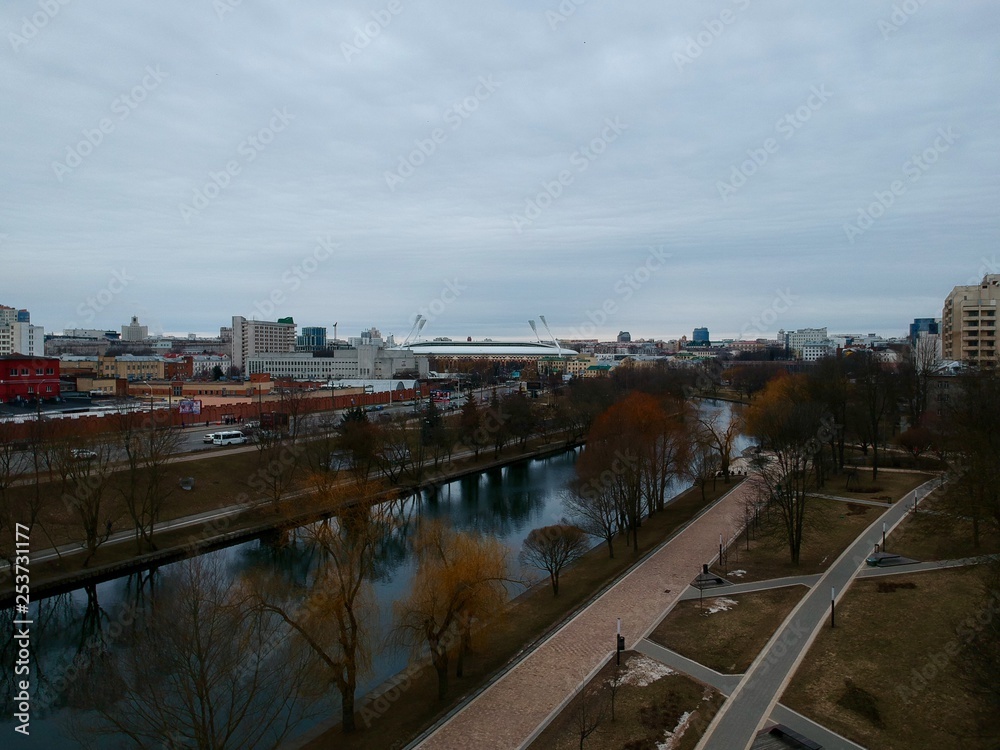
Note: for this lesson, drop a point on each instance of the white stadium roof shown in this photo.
(487, 349)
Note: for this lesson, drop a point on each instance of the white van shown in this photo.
(229, 437)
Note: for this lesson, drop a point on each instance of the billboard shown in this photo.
(190, 406)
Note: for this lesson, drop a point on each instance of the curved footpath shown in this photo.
(756, 696)
(514, 709)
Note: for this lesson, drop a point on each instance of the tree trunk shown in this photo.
(347, 711)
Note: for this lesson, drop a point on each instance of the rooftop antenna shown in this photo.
(554, 340)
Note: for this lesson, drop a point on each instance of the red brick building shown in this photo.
(25, 378)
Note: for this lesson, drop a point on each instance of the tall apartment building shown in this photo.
(254, 337)
(18, 335)
(969, 322)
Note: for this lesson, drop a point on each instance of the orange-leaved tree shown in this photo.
(458, 585)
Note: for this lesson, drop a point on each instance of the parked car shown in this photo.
(210, 437)
(83, 454)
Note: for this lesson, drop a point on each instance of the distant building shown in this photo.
(700, 337)
(18, 335)
(969, 322)
(27, 378)
(134, 332)
(256, 337)
(814, 350)
(365, 361)
(624, 337)
(313, 338)
(794, 341)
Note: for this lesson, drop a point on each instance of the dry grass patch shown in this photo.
(862, 678)
(931, 535)
(830, 527)
(654, 708)
(861, 487)
(726, 633)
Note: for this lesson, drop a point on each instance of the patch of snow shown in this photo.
(736, 573)
(642, 671)
(669, 737)
(720, 604)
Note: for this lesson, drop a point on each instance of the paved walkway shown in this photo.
(507, 714)
(751, 703)
(751, 586)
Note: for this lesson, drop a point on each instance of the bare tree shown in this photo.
(552, 548)
(147, 448)
(85, 469)
(588, 713)
(335, 617)
(593, 505)
(721, 435)
(875, 393)
(15, 462)
(204, 668)
(790, 429)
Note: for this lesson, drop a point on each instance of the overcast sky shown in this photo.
(641, 166)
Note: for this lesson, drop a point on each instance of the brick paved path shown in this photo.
(506, 714)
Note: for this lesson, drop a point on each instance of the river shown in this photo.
(506, 503)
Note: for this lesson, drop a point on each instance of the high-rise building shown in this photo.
(969, 322)
(624, 337)
(313, 338)
(926, 326)
(254, 337)
(700, 337)
(18, 336)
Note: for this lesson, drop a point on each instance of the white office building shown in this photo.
(254, 338)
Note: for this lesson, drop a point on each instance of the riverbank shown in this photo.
(216, 528)
(406, 706)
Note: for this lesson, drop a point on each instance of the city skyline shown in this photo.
(688, 166)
